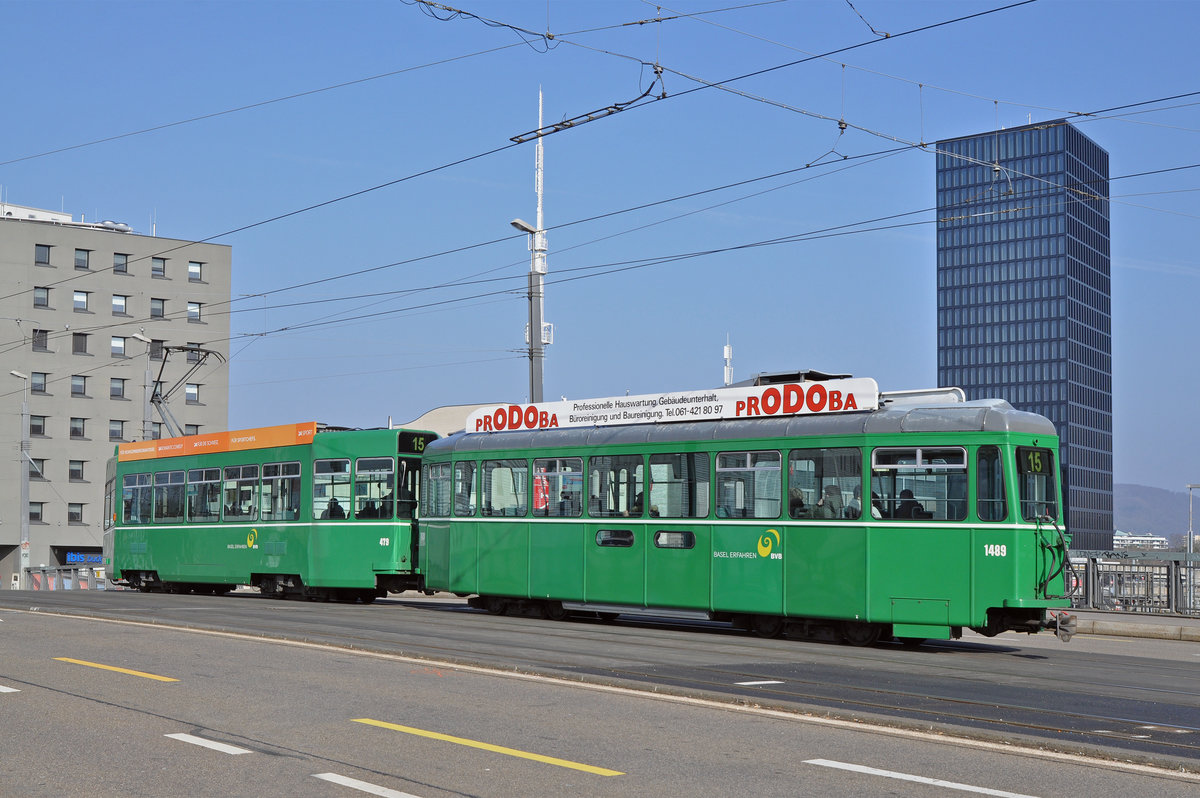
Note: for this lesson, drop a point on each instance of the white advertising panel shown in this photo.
(758, 401)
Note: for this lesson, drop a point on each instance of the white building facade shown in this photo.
(89, 314)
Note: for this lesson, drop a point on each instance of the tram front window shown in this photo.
(1035, 469)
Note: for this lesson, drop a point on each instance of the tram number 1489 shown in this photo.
(993, 550)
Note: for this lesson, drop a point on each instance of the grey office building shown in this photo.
(1024, 294)
(76, 300)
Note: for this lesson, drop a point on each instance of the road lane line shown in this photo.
(363, 786)
(118, 670)
(752, 684)
(213, 744)
(499, 749)
(891, 774)
(4, 689)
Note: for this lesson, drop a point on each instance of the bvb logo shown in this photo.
(766, 544)
(252, 538)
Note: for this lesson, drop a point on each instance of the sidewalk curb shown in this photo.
(1157, 631)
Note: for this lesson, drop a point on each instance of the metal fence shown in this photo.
(1159, 582)
(68, 577)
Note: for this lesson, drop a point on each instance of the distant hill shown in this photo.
(1154, 511)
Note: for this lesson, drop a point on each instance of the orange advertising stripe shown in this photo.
(239, 440)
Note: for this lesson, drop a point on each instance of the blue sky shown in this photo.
(862, 303)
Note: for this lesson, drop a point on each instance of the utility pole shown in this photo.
(539, 333)
(24, 462)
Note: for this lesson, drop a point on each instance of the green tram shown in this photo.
(298, 510)
(825, 509)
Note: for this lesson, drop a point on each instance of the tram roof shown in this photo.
(983, 415)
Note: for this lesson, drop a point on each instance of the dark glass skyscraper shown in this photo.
(1024, 294)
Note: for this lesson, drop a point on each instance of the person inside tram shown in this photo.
(830, 503)
(854, 508)
(908, 505)
(333, 510)
(796, 506)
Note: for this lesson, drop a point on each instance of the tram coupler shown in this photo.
(1064, 625)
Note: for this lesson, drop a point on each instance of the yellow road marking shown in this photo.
(118, 670)
(499, 749)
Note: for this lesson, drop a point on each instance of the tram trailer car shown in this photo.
(298, 510)
(910, 515)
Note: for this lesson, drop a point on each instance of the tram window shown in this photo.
(168, 497)
(1035, 470)
(137, 499)
(110, 488)
(825, 484)
(665, 539)
(614, 538)
(373, 480)
(748, 485)
(280, 499)
(679, 485)
(558, 487)
(204, 494)
(436, 500)
(408, 487)
(241, 487)
(464, 488)
(990, 502)
(331, 489)
(505, 487)
(615, 488)
(920, 483)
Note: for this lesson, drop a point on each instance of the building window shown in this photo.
(41, 297)
(116, 430)
(78, 427)
(195, 271)
(35, 512)
(120, 263)
(120, 305)
(194, 311)
(191, 393)
(41, 340)
(75, 471)
(79, 343)
(193, 355)
(116, 388)
(41, 254)
(37, 383)
(37, 468)
(81, 258)
(191, 429)
(156, 430)
(81, 300)
(156, 349)
(158, 388)
(158, 267)
(78, 385)
(158, 308)
(37, 426)
(74, 513)
(118, 346)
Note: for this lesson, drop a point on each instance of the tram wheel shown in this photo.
(767, 626)
(857, 633)
(496, 605)
(554, 610)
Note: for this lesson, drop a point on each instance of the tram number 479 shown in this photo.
(993, 550)
(385, 541)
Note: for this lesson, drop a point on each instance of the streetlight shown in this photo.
(1190, 546)
(537, 271)
(147, 431)
(24, 464)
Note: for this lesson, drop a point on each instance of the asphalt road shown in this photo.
(689, 726)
